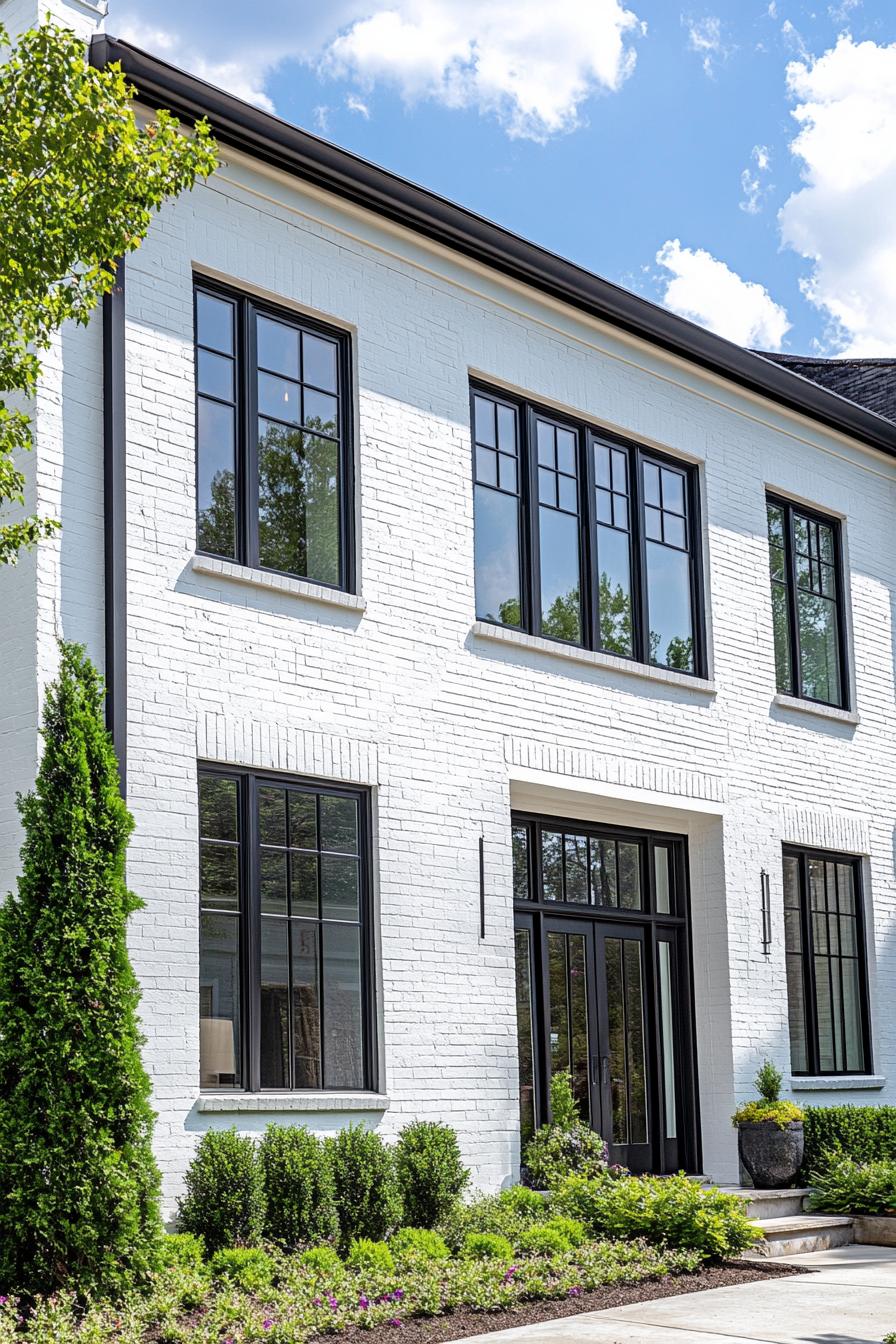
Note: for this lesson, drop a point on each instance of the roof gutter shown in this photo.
(297, 152)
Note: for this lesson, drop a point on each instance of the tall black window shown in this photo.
(826, 974)
(583, 537)
(273, 467)
(807, 603)
(284, 933)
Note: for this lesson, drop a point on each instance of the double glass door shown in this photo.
(604, 993)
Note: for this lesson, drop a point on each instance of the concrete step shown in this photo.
(762, 1204)
(802, 1234)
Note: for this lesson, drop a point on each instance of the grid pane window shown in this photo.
(583, 538)
(302, 971)
(583, 869)
(497, 509)
(668, 566)
(804, 565)
(558, 531)
(273, 463)
(824, 947)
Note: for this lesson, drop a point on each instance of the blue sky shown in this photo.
(736, 162)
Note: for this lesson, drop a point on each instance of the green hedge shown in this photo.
(864, 1133)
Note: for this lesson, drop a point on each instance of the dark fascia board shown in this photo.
(297, 152)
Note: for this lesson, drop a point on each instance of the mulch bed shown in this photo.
(457, 1325)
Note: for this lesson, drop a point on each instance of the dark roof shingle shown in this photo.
(868, 382)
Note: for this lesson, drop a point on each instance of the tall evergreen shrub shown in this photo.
(79, 1189)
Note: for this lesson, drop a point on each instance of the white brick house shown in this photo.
(383, 688)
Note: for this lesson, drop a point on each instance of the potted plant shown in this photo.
(769, 1133)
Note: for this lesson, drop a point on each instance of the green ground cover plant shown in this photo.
(665, 1211)
(300, 1303)
(846, 1186)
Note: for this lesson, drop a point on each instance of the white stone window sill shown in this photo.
(866, 1082)
(265, 1102)
(502, 634)
(817, 711)
(276, 583)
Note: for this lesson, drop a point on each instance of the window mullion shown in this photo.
(533, 587)
(588, 532)
(641, 632)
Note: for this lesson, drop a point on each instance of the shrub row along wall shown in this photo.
(865, 1133)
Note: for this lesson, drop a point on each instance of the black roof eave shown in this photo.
(276, 142)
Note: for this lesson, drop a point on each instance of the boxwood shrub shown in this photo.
(367, 1196)
(224, 1199)
(300, 1197)
(430, 1172)
(864, 1133)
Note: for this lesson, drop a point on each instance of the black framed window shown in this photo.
(826, 970)
(807, 603)
(273, 464)
(285, 965)
(584, 537)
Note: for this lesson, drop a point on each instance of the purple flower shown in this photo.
(395, 1321)
(398, 1295)
(510, 1273)
(363, 1301)
(267, 1325)
(574, 1292)
(333, 1301)
(3, 1301)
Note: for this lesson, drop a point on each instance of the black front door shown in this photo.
(603, 989)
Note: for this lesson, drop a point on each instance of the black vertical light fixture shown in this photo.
(766, 914)
(482, 886)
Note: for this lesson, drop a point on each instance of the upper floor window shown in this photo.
(826, 972)
(807, 603)
(583, 537)
(284, 961)
(272, 427)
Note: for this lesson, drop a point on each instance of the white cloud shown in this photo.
(794, 38)
(840, 13)
(752, 186)
(844, 218)
(531, 65)
(705, 37)
(356, 104)
(707, 291)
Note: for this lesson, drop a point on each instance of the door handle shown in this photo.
(600, 1069)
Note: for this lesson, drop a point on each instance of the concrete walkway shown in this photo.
(850, 1298)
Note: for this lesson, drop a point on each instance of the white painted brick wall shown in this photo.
(446, 727)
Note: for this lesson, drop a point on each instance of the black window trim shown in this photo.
(791, 506)
(250, 921)
(587, 433)
(246, 303)
(810, 1008)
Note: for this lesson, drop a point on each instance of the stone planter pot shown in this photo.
(871, 1230)
(771, 1156)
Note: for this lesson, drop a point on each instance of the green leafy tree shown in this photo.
(80, 180)
(79, 1188)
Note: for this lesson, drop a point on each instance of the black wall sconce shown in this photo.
(766, 914)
